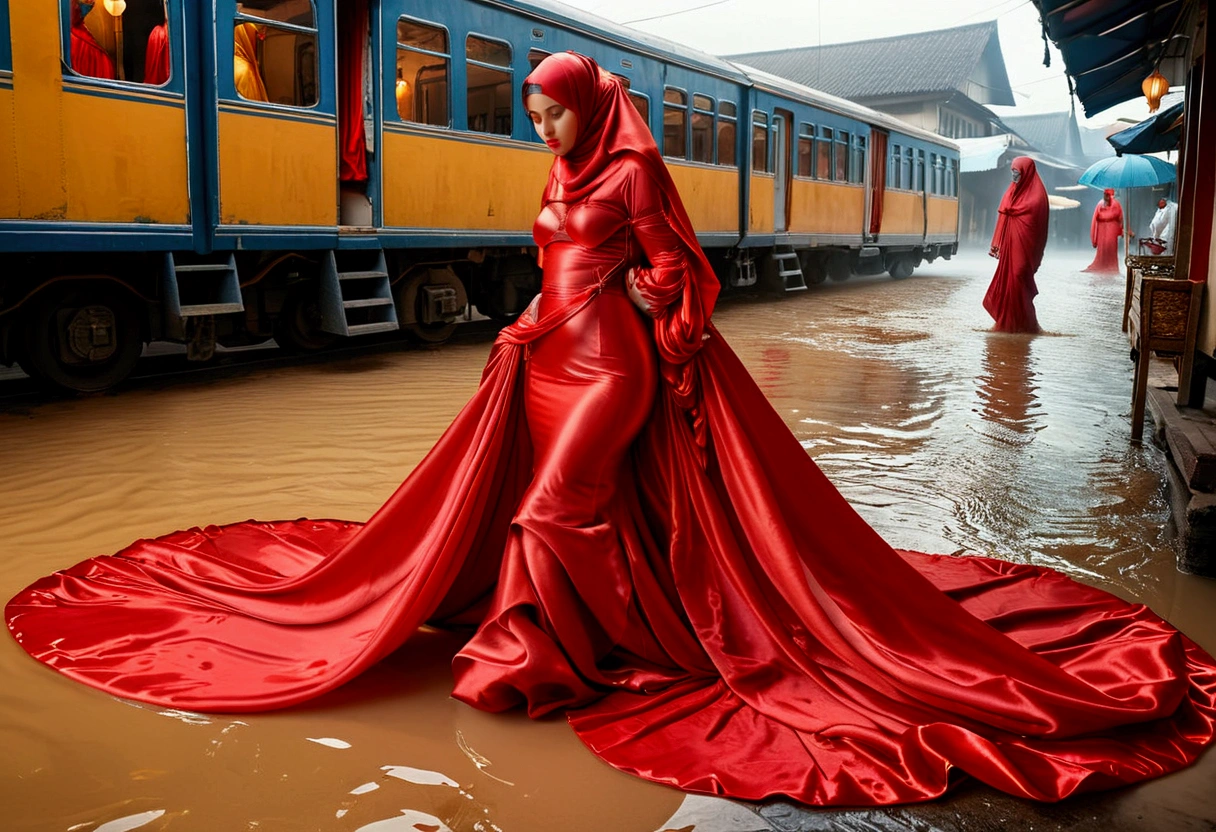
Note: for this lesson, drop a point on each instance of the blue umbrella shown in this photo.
(1128, 172)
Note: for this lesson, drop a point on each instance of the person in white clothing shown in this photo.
(1161, 230)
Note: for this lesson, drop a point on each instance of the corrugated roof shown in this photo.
(917, 64)
(1042, 131)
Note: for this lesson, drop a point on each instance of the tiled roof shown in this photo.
(927, 62)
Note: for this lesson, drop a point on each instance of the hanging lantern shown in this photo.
(1155, 86)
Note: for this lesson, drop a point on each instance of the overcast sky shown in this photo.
(732, 26)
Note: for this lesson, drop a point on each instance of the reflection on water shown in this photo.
(945, 436)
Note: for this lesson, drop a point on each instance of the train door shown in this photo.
(782, 122)
(357, 129)
(878, 182)
(275, 126)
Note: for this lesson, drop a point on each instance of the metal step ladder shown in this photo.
(356, 298)
(789, 269)
(195, 290)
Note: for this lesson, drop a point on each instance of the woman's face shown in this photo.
(1017, 175)
(1106, 198)
(557, 125)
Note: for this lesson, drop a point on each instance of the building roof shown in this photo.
(905, 65)
(1048, 132)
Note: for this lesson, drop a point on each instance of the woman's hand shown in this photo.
(994, 252)
(635, 294)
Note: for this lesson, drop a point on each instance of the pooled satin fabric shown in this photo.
(1019, 239)
(714, 617)
(1104, 231)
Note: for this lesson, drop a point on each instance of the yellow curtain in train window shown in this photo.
(245, 63)
(101, 26)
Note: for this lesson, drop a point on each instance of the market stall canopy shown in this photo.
(1061, 203)
(1109, 47)
(1153, 135)
(979, 154)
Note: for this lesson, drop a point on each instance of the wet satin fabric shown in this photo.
(712, 615)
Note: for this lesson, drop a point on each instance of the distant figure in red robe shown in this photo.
(88, 58)
(1104, 234)
(1018, 243)
(156, 60)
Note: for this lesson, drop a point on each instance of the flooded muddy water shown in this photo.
(945, 436)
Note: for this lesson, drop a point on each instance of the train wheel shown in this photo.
(837, 267)
(813, 269)
(901, 267)
(298, 328)
(82, 338)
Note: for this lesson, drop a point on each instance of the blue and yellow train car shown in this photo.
(225, 172)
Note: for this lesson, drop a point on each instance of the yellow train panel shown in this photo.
(9, 204)
(137, 172)
(711, 196)
(760, 205)
(441, 182)
(902, 213)
(277, 171)
(37, 100)
(826, 208)
(943, 215)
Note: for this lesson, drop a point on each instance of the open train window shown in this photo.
(675, 120)
(642, 104)
(951, 178)
(893, 167)
(422, 73)
(6, 44)
(535, 56)
(275, 52)
(842, 157)
(857, 172)
(905, 176)
(920, 170)
(759, 142)
(823, 154)
(115, 40)
(490, 91)
(806, 151)
(703, 129)
(727, 114)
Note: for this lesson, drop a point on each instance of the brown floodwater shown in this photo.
(945, 436)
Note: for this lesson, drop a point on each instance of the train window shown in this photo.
(275, 52)
(703, 129)
(823, 154)
(759, 142)
(490, 92)
(842, 157)
(535, 56)
(920, 170)
(675, 123)
(422, 73)
(806, 150)
(95, 35)
(951, 178)
(893, 167)
(858, 170)
(906, 176)
(727, 136)
(642, 104)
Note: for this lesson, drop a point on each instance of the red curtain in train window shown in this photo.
(878, 178)
(352, 37)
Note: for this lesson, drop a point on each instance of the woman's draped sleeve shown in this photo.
(667, 283)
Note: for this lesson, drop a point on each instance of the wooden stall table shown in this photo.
(1162, 317)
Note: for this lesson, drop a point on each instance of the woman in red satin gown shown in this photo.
(638, 539)
(1018, 244)
(1104, 232)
